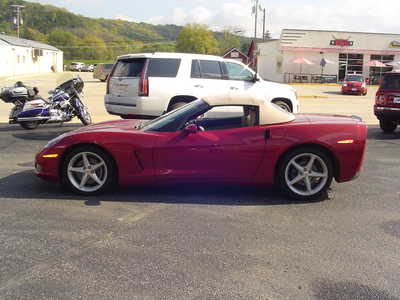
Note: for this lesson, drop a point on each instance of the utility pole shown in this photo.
(255, 10)
(17, 16)
(263, 36)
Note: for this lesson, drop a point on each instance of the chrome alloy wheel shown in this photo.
(306, 174)
(87, 171)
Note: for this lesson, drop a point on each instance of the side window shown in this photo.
(129, 68)
(210, 69)
(228, 117)
(238, 72)
(163, 67)
(195, 73)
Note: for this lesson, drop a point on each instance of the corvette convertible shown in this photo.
(222, 139)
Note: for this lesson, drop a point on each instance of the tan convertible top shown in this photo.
(269, 113)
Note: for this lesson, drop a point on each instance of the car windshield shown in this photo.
(354, 78)
(175, 119)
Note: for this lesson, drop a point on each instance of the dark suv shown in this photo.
(387, 102)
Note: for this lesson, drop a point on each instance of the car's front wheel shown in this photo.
(88, 170)
(387, 126)
(305, 174)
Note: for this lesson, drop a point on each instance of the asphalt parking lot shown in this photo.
(194, 242)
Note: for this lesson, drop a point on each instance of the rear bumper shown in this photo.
(387, 113)
(138, 109)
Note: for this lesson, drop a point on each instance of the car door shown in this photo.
(231, 154)
(207, 77)
(240, 77)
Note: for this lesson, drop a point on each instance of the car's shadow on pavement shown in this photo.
(375, 133)
(25, 185)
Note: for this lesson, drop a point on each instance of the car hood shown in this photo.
(275, 85)
(109, 126)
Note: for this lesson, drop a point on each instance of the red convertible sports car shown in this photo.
(234, 138)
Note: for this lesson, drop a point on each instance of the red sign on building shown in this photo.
(342, 43)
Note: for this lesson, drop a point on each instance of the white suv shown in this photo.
(150, 84)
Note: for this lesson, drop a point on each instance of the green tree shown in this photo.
(34, 35)
(228, 41)
(66, 41)
(93, 48)
(196, 38)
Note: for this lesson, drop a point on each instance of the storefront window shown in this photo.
(350, 63)
(375, 73)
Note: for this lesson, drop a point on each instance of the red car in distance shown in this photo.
(234, 138)
(355, 85)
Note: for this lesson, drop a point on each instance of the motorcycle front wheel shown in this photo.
(84, 116)
(29, 125)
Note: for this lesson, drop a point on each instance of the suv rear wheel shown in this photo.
(176, 105)
(282, 104)
(387, 126)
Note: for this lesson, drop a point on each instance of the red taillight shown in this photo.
(144, 81)
(109, 78)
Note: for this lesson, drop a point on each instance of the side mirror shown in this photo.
(255, 78)
(190, 128)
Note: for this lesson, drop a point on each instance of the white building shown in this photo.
(21, 56)
(343, 53)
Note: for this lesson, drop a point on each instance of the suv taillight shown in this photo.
(144, 81)
(109, 78)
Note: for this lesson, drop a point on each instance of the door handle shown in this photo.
(267, 134)
(234, 88)
(199, 86)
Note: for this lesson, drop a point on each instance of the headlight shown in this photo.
(54, 141)
(345, 84)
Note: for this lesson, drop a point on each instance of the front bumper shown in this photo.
(48, 168)
(353, 90)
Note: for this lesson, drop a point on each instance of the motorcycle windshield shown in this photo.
(63, 78)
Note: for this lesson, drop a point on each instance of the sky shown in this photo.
(347, 15)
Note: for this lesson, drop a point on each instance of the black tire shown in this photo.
(283, 105)
(29, 125)
(387, 126)
(176, 105)
(287, 172)
(86, 118)
(91, 152)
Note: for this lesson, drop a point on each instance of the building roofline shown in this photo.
(19, 42)
(340, 31)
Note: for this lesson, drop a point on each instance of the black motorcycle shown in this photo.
(31, 110)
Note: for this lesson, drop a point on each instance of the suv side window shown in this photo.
(129, 68)
(238, 72)
(210, 69)
(163, 67)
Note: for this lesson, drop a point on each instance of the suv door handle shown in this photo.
(199, 86)
(234, 88)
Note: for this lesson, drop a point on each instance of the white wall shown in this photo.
(269, 66)
(18, 60)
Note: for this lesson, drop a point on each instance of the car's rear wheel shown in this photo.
(283, 105)
(387, 126)
(305, 174)
(88, 170)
